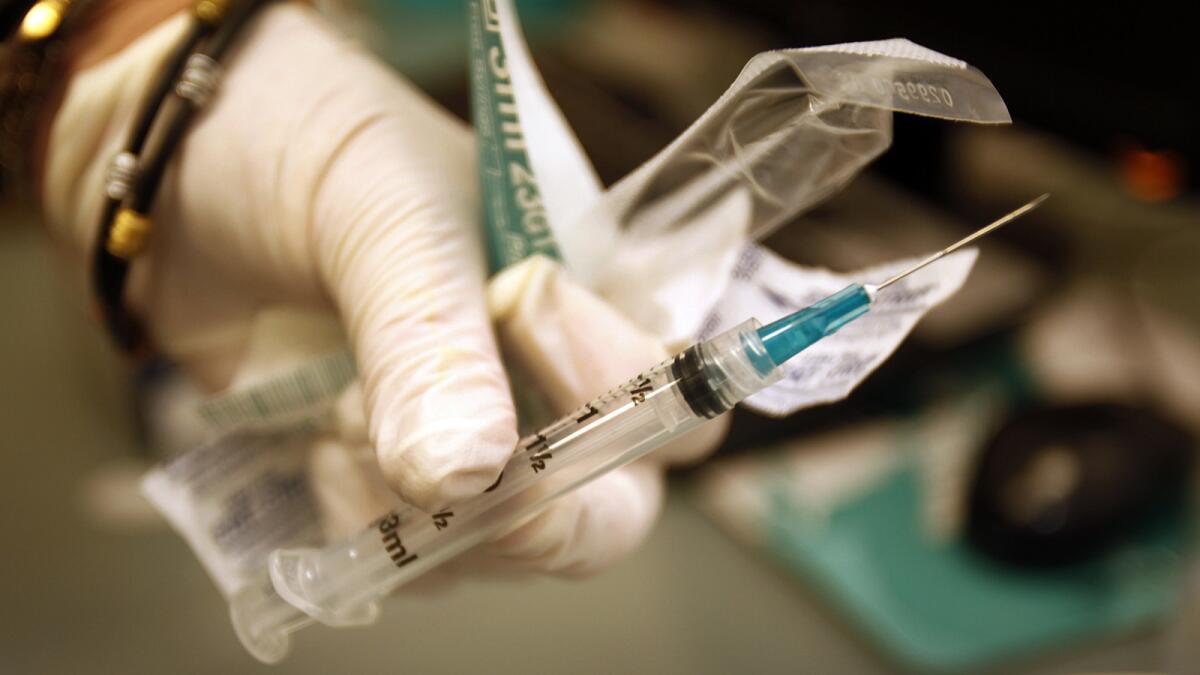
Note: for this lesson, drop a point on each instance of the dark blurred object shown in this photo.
(12, 12)
(1058, 485)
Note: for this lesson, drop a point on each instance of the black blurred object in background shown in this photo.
(1057, 485)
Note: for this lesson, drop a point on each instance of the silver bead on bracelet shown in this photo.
(122, 172)
(199, 79)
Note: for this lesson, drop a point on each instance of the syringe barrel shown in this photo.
(263, 621)
(338, 585)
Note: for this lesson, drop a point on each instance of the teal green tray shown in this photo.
(942, 607)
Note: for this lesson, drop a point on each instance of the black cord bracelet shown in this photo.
(187, 81)
(108, 271)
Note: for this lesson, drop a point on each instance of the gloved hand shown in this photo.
(317, 179)
(573, 347)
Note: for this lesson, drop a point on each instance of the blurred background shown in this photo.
(1008, 493)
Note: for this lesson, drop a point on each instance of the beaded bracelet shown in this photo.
(187, 81)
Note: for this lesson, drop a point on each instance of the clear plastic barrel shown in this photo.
(340, 585)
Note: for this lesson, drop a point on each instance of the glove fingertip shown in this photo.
(449, 461)
(588, 530)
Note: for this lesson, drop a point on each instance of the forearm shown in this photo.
(112, 25)
(115, 23)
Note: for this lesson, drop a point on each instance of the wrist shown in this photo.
(116, 23)
(112, 26)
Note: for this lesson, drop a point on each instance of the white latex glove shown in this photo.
(318, 179)
(574, 347)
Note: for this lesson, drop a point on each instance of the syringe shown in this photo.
(341, 585)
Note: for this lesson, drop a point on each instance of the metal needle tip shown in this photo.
(986, 229)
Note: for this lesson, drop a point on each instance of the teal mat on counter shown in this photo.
(942, 607)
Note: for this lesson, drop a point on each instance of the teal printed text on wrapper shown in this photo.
(514, 217)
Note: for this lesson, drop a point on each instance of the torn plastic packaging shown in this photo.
(793, 129)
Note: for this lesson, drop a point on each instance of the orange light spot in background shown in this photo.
(1152, 176)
